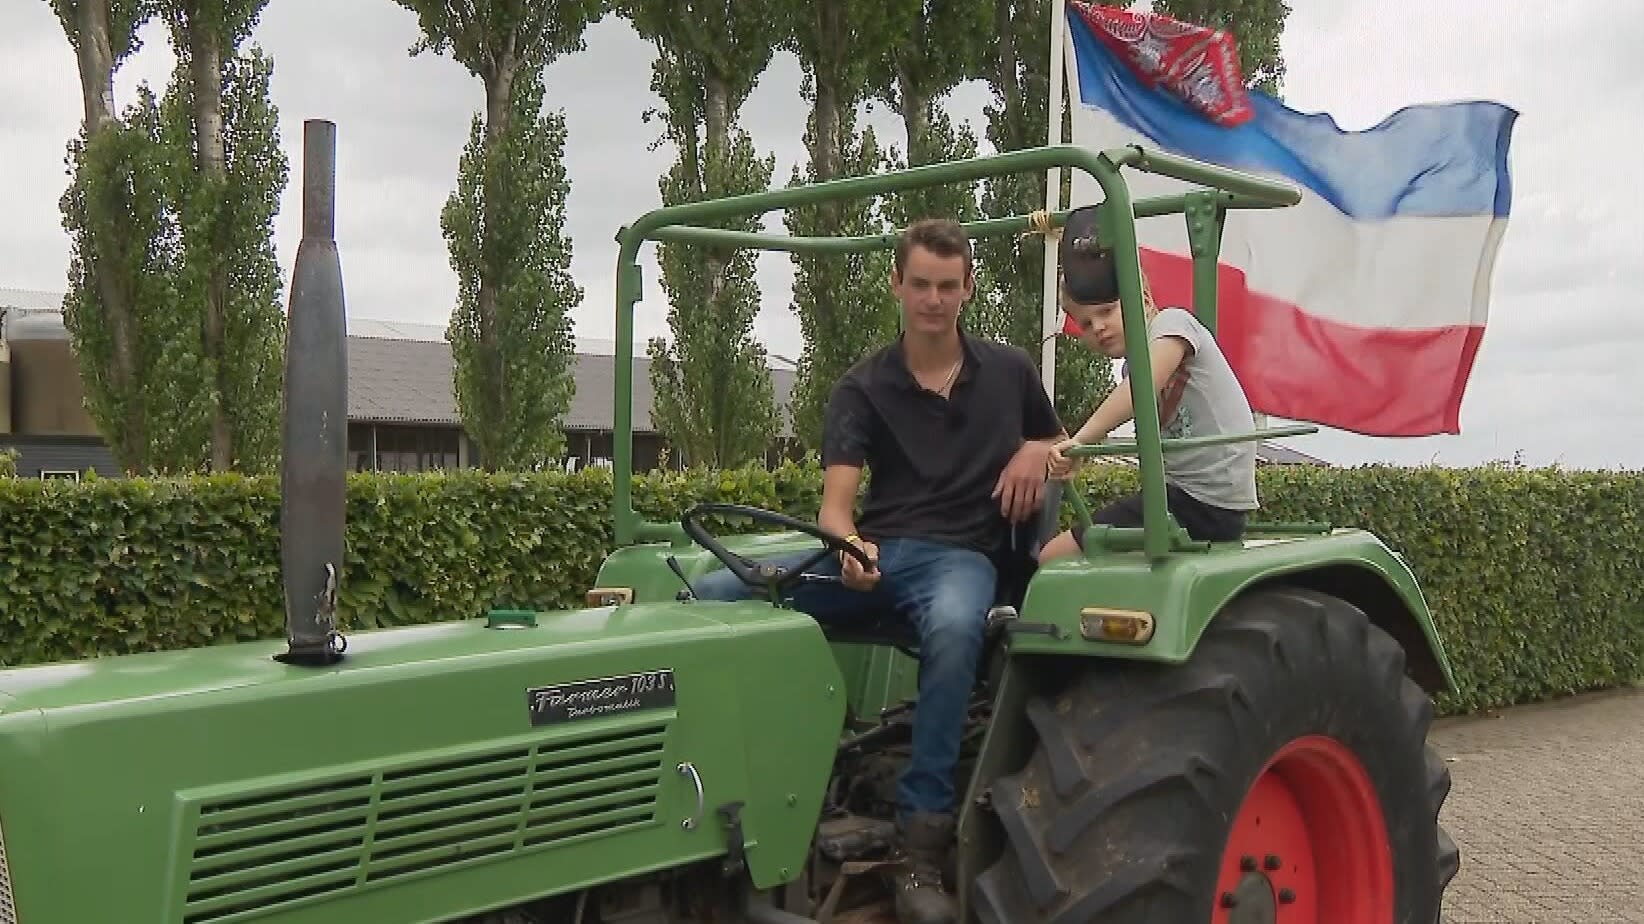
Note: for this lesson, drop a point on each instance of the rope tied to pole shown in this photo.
(1039, 223)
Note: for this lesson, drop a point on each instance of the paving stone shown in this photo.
(1547, 807)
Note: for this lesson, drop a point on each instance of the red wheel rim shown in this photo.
(1309, 844)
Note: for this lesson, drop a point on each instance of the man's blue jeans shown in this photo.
(943, 591)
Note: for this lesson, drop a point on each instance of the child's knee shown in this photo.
(1062, 546)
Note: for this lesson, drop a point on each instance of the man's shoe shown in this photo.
(923, 840)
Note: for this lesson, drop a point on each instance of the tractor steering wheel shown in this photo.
(759, 574)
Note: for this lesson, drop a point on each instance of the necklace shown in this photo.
(952, 375)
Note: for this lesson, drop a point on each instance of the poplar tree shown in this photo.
(843, 302)
(939, 44)
(221, 132)
(714, 398)
(511, 340)
(173, 302)
(118, 228)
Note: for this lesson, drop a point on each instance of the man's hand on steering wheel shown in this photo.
(852, 573)
(774, 578)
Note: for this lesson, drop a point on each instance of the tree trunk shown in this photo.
(832, 46)
(96, 61)
(716, 120)
(915, 115)
(499, 90)
(206, 73)
(1007, 80)
(914, 95)
(716, 162)
(1014, 136)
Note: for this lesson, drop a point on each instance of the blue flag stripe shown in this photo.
(1423, 161)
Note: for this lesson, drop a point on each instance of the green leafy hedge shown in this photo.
(1533, 575)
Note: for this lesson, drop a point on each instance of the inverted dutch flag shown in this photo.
(1361, 308)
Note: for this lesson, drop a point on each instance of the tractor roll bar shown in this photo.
(683, 224)
(1151, 207)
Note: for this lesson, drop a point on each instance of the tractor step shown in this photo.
(855, 838)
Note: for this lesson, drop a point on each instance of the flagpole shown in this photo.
(1053, 195)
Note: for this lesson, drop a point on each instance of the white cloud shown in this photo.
(1555, 378)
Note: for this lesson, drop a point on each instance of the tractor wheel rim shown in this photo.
(1308, 845)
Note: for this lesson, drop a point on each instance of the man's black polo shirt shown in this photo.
(934, 461)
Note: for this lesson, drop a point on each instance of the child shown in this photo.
(1209, 490)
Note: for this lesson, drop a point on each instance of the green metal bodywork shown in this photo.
(407, 783)
(1186, 592)
(1183, 594)
(874, 676)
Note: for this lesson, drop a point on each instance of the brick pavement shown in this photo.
(1548, 809)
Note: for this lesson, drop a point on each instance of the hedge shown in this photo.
(1532, 574)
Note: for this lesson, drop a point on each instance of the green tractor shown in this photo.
(1162, 730)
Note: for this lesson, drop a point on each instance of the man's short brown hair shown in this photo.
(941, 236)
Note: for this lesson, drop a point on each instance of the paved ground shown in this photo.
(1548, 809)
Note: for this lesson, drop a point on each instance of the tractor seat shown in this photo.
(901, 634)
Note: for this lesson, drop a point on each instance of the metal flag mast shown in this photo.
(1053, 194)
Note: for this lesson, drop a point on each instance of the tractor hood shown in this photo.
(434, 769)
(152, 678)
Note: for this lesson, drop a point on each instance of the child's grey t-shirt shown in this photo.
(1204, 398)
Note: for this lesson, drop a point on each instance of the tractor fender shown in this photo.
(1182, 594)
(1408, 622)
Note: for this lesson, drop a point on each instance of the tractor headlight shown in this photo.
(610, 596)
(1125, 627)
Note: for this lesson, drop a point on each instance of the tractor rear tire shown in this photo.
(1282, 773)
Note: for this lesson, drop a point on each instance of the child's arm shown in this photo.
(1166, 355)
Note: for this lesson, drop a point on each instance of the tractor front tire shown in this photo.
(1281, 774)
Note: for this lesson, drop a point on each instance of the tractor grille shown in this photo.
(262, 851)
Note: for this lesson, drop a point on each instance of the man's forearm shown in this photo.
(1049, 440)
(838, 511)
(840, 523)
(1040, 449)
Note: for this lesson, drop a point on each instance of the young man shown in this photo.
(957, 433)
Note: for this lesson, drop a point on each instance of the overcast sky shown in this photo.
(1560, 376)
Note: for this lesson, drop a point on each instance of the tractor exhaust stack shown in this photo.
(313, 467)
